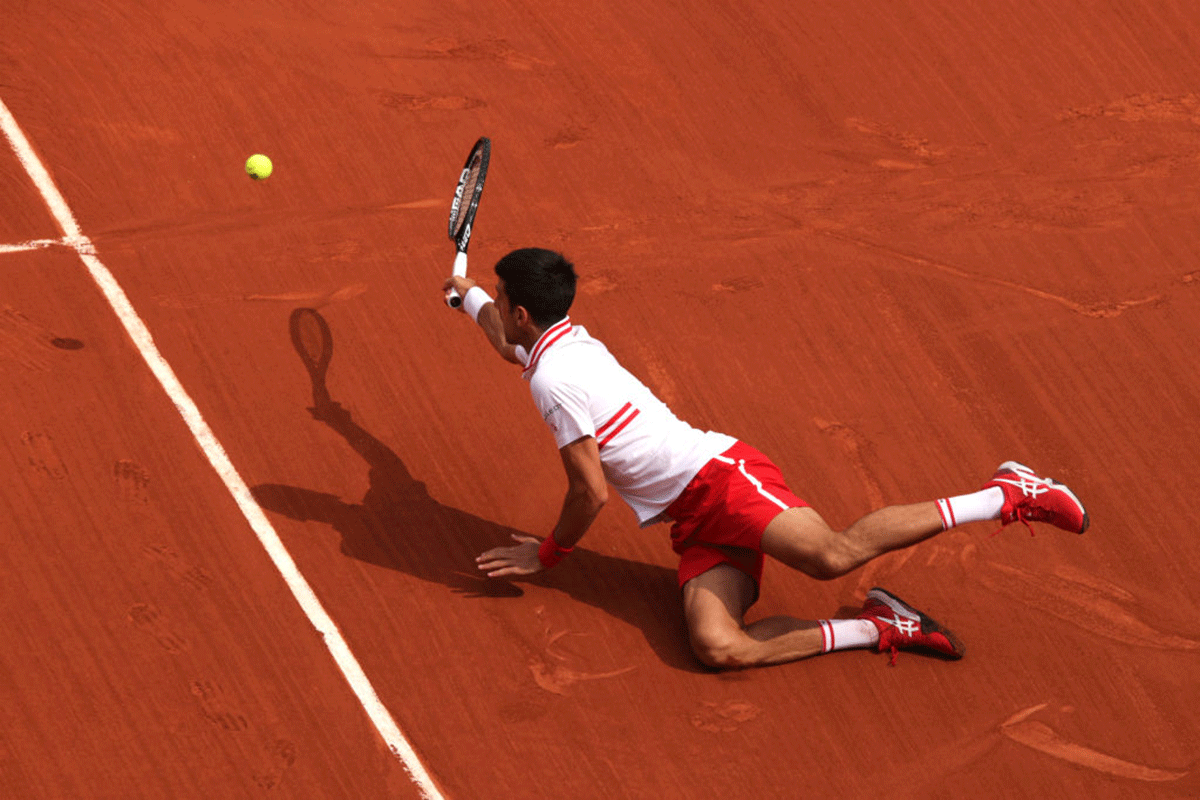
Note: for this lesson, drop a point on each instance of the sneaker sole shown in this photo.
(928, 624)
(1014, 466)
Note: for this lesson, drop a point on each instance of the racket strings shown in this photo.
(468, 196)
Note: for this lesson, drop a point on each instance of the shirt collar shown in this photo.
(547, 340)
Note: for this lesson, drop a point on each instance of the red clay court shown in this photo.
(889, 244)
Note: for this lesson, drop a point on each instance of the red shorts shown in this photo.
(722, 513)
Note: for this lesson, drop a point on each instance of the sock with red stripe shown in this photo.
(843, 634)
(975, 507)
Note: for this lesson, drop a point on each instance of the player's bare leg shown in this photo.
(800, 538)
(715, 604)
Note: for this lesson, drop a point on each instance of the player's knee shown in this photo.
(718, 656)
(721, 650)
(835, 561)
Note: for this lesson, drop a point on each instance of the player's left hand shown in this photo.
(521, 559)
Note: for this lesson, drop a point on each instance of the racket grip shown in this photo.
(460, 271)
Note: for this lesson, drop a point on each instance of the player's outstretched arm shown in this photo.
(488, 319)
(587, 492)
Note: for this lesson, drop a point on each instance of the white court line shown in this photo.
(208, 443)
(36, 244)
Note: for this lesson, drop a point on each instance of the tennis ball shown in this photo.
(259, 167)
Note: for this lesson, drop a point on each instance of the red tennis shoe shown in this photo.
(902, 627)
(1029, 498)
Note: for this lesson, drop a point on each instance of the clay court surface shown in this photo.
(890, 244)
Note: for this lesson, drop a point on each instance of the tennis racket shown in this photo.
(462, 210)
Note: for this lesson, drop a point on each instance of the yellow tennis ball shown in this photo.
(259, 167)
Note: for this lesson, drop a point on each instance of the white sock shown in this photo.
(975, 507)
(843, 634)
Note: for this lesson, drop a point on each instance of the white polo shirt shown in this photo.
(649, 455)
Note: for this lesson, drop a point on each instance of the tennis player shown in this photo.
(726, 502)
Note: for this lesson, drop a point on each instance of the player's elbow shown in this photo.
(590, 497)
(597, 498)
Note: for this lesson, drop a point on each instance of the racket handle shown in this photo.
(460, 271)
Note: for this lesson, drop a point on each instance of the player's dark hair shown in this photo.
(542, 281)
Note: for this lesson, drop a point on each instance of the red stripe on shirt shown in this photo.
(549, 337)
(613, 419)
(618, 429)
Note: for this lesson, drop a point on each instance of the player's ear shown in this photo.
(522, 316)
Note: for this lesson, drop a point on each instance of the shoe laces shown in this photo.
(892, 647)
(1020, 517)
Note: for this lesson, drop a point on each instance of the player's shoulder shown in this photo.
(577, 360)
(559, 369)
(577, 352)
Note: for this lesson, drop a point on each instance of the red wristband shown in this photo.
(550, 552)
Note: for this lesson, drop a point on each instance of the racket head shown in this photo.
(313, 341)
(467, 193)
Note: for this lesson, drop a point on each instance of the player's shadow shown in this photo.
(397, 525)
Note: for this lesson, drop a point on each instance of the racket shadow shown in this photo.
(399, 526)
